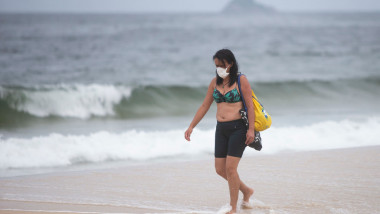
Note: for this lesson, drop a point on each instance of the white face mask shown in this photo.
(222, 72)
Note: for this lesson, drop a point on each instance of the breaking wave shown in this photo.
(63, 150)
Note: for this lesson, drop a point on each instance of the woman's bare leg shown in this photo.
(220, 167)
(227, 168)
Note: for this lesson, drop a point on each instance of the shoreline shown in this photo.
(159, 162)
(321, 181)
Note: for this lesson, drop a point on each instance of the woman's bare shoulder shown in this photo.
(213, 81)
(243, 77)
(244, 81)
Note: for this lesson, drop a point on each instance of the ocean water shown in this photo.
(86, 90)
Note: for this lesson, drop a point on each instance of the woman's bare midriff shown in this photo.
(228, 111)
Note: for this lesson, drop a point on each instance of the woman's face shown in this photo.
(222, 64)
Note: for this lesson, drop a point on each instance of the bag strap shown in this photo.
(241, 94)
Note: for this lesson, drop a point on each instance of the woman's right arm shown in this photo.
(202, 110)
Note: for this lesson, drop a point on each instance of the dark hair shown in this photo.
(225, 54)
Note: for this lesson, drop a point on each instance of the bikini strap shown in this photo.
(236, 86)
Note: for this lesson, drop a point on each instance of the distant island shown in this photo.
(247, 6)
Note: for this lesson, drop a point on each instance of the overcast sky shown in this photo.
(177, 5)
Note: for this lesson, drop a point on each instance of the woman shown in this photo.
(231, 135)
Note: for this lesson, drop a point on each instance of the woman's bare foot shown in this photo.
(245, 204)
(231, 212)
(248, 194)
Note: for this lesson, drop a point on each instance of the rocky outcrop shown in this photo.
(247, 6)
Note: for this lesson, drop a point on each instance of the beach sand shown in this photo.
(330, 181)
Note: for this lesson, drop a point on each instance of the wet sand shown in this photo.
(330, 181)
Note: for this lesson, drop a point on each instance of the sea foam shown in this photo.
(63, 150)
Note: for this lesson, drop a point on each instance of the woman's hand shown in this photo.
(188, 133)
(250, 136)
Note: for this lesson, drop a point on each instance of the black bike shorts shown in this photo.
(230, 138)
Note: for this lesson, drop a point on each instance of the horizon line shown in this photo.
(183, 12)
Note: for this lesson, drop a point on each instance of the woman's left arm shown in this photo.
(247, 94)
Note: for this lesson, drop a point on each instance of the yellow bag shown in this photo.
(262, 119)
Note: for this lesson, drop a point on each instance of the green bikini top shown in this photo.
(232, 96)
